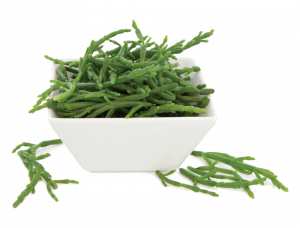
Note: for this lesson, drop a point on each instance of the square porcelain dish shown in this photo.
(135, 144)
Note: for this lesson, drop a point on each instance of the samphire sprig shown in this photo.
(164, 179)
(94, 85)
(204, 174)
(36, 171)
(239, 165)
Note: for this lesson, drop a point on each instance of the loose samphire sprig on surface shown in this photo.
(36, 171)
(135, 79)
(204, 174)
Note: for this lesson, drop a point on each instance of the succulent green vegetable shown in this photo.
(164, 179)
(134, 67)
(35, 174)
(200, 176)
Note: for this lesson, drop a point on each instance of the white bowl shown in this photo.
(135, 144)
